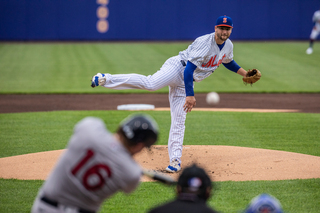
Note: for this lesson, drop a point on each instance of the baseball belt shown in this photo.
(56, 204)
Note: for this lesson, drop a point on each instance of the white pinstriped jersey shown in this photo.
(316, 19)
(94, 166)
(206, 55)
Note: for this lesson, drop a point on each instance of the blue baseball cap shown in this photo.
(225, 21)
(264, 203)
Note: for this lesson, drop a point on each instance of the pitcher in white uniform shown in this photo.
(95, 165)
(315, 31)
(179, 72)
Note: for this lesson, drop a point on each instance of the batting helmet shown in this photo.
(140, 128)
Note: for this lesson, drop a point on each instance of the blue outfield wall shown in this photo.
(153, 19)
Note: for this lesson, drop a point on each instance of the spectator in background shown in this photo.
(193, 190)
(315, 31)
(264, 203)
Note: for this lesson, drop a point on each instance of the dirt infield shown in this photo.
(309, 103)
(221, 162)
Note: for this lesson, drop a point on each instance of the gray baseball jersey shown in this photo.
(94, 166)
(205, 54)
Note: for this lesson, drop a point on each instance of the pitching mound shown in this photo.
(222, 163)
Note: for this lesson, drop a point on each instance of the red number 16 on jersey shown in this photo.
(95, 172)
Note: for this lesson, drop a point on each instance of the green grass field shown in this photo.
(43, 131)
(68, 68)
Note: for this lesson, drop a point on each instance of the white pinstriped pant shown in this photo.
(170, 74)
(315, 32)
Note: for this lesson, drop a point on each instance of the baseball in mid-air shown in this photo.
(212, 98)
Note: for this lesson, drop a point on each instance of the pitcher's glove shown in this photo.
(252, 76)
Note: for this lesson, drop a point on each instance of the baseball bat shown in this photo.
(159, 177)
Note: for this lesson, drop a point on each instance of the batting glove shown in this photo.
(98, 79)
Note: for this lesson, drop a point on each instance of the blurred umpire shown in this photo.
(193, 190)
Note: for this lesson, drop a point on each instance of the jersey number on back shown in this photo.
(94, 176)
